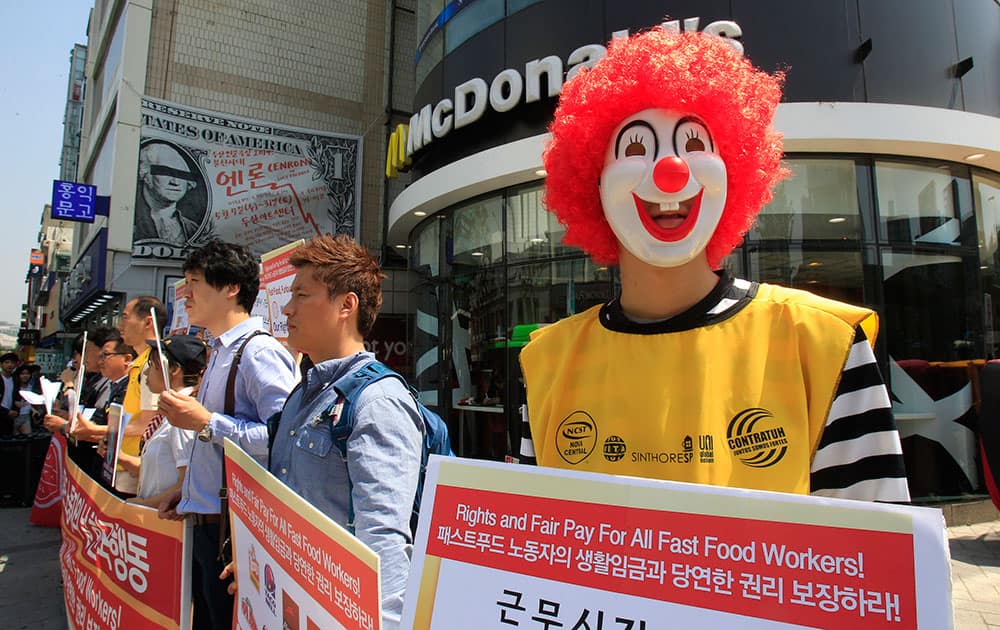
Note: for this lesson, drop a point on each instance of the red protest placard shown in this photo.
(122, 566)
(294, 565)
(276, 280)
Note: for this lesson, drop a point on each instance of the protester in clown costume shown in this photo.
(661, 156)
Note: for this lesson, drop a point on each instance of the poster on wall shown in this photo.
(296, 568)
(276, 278)
(179, 324)
(507, 544)
(204, 175)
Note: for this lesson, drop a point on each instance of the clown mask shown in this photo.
(663, 186)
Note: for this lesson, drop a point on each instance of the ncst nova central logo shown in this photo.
(756, 439)
(576, 437)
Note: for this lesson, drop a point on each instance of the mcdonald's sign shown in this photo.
(396, 159)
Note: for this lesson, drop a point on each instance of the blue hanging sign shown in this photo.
(73, 202)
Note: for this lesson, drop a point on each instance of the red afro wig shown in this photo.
(684, 72)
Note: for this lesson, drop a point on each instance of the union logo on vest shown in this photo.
(576, 437)
(754, 438)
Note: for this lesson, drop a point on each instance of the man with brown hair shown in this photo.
(336, 296)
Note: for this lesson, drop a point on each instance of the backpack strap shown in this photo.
(230, 406)
(349, 389)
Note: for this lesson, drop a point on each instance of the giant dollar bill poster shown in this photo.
(204, 175)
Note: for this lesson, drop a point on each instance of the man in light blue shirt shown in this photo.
(336, 296)
(223, 282)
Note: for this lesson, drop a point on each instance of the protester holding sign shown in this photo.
(247, 381)
(661, 156)
(164, 448)
(136, 327)
(335, 298)
(96, 389)
(114, 359)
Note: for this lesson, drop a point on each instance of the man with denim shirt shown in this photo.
(223, 282)
(336, 296)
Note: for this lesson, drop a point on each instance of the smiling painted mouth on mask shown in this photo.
(671, 221)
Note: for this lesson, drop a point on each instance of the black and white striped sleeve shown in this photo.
(526, 454)
(859, 454)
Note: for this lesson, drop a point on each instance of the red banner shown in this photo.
(295, 567)
(122, 566)
(811, 575)
(47, 508)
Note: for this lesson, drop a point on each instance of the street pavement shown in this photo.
(31, 590)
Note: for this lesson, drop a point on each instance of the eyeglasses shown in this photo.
(105, 355)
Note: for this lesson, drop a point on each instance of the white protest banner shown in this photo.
(276, 279)
(508, 544)
(295, 567)
(251, 182)
(117, 423)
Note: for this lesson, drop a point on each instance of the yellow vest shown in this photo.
(741, 402)
(133, 406)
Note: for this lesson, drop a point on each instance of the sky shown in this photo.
(36, 37)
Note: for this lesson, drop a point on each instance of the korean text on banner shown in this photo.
(122, 566)
(590, 550)
(295, 567)
(276, 279)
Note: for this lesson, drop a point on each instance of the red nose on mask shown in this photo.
(671, 174)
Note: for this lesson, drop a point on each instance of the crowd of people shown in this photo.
(17, 415)
(187, 394)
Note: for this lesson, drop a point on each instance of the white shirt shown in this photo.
(165, 451)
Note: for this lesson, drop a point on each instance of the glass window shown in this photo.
(926, 307)
(477, 234)
(932, 324)
(112, 60)
(733, 263)
(818, 201)
(544, 293)
(425, 258)
(430, 57)
(834, 274)
(924, 204)
(513, 6)
(532, 231)
(987, 198)
(471, 20)
(427, 12)
(425, 261)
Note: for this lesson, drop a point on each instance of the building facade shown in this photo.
(258, 123)
(891, 120)
(73, 120)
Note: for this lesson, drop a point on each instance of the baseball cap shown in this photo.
(187, 351)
